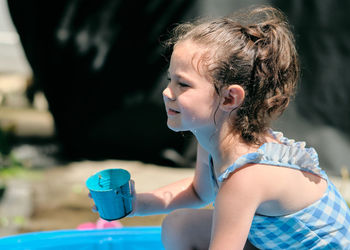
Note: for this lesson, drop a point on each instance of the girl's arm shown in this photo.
(193, 192)
(235, 205)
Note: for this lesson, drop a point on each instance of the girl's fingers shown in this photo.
(132, 185)
(94, 209)
(133, 195)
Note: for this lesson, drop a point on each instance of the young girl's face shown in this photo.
(190, 99)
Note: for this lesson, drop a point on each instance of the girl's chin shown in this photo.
(176, 128)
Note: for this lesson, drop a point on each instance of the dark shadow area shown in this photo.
(322, 34)
(322, 102)
(101, 66)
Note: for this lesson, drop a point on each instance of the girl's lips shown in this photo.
(172, 112)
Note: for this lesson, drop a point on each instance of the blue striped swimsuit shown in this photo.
(325, 224)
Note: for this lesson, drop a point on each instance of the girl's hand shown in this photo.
(94, 208)
(134, 199)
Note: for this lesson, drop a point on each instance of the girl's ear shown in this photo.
(232, 97)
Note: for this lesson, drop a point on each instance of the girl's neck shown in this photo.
(229, 150)
(226, 146)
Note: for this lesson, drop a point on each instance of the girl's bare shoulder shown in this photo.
(282, 190)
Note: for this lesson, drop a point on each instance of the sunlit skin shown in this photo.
(192, 104)
(190, 99)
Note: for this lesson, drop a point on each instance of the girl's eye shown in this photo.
(183, 84)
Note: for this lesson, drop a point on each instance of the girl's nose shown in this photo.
(167, 93)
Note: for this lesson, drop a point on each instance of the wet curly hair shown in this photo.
(255, 49)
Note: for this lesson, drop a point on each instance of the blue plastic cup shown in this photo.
(112, 193)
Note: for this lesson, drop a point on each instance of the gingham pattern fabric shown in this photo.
(324, 224)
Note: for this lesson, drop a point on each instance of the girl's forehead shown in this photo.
(188, 55)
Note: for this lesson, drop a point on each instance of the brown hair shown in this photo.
(254, 49)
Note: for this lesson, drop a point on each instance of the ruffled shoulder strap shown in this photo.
(288, 154)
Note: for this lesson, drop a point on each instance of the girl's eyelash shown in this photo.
(183, 84)
(179, 83)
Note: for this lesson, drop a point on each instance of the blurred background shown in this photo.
(81, 83)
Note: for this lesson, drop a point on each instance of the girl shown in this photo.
(229, 78)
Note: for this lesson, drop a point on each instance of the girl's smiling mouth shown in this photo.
(172, 112)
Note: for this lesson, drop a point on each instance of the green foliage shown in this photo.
(9, 165)
(6, 221)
